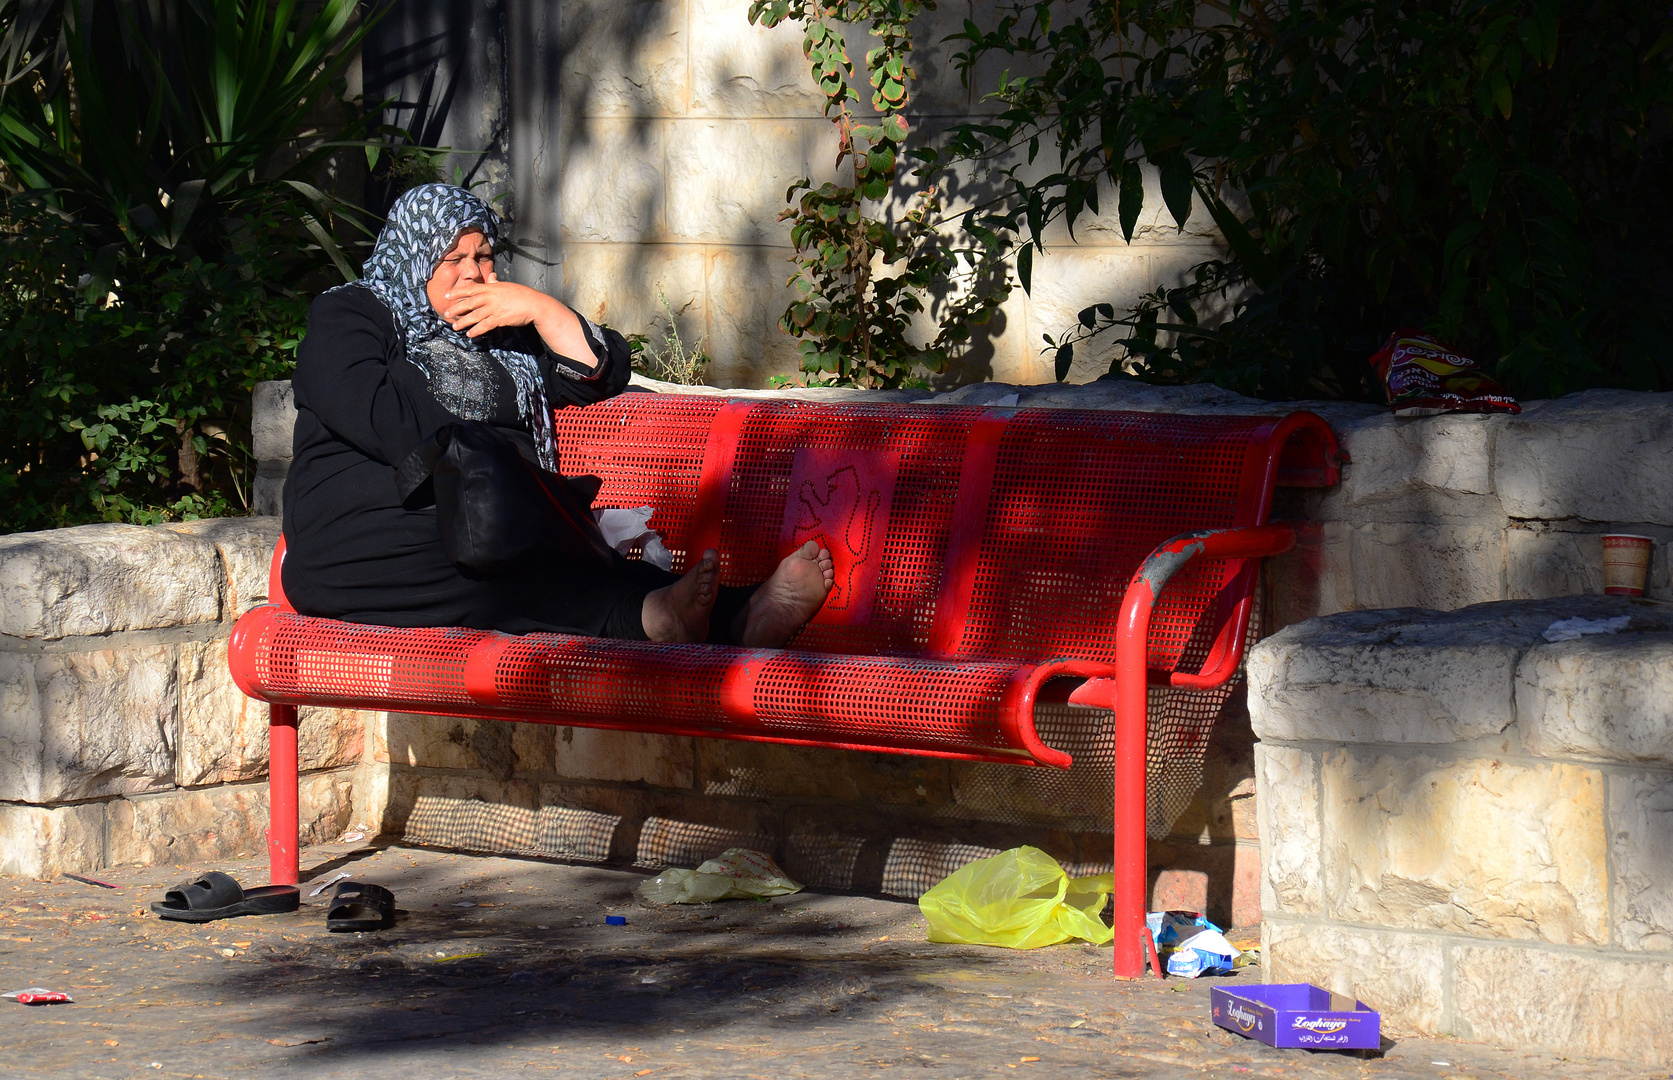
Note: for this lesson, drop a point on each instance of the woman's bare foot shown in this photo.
(680, 612)
(787, 600)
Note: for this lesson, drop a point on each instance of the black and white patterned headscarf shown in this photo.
(423, 226)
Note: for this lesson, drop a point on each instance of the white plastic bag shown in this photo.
(739, 873)
(623, 529)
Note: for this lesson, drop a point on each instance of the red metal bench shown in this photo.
(987, 560)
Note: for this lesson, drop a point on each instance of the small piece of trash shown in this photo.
(1026, 1060)
(39, 995)
(92, 881)
(112, 1042)
(227, 952)
(298, 1040)
(241, 944)
(464, 903)
(324, 885)
(1448, 1064)
(615, 920)
(156, 1064)
(542, 926)
(1569, 629)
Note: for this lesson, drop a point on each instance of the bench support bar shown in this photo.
(1131, 721)
(281, 794)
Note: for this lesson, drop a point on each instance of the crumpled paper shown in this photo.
(1205, 953)
(623, 529)
(1569, 629)
(739, 873)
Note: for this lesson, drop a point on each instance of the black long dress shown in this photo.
(354, 553)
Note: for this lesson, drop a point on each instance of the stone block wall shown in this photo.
(1471, 828)
(122, 736)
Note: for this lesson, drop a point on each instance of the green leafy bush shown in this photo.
(1492, 170)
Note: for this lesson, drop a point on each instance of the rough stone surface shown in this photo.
(272, 420)
(1570, 1002)
(1608, 696)
(245, 546)
(471, 813)
(1409, 676)
(1288, 802)
(628, 756)
(1641, 840)
(223, 734)
(41, 841)
(496, 747)
(1478, 846)
(1402, 976)
(1600, 455)
(220, 822)
(87, 724)
(636, 59)
(100, 579)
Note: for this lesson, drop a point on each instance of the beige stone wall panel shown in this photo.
(43, 841)
(748, 290)
(626, 59)
(766, 770)
(1570, 1003)
(740, 70)
(1641, 862)
(1608, 696)
(1480, 847)
(726, 178)
(1600, 455)
(618, 284)
(245, 546)
(1287, 800)
(1426, 565)
(500, 748)
(634, 757)
(1402, 976)
(221, 822)
(88, 724)
(612, 185)
(1545, 560)
(272, 421)
(471, 813)
(1395, 458)
(102, 579)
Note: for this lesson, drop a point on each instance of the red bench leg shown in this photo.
(281, 794)
(1130, 892)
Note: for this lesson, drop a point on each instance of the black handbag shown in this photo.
(498, 512)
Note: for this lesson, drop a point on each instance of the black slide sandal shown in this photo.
(360, 906)
(217, 896)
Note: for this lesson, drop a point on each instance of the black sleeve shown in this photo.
(568, 384)
(346, 376)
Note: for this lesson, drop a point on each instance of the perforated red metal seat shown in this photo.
(986, 560)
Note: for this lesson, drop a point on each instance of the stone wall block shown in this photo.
(272, 421)
(634, 757)
(727, 178)
(1313, 578)
(1545, 560)
(245, 546)
(1402, 976)
(621, 285)
(223, 734)
(1566, 1002)
(101, 579)
(635, 58)
(1480, 846)
(1068, 279)
(1608, 696)
(1428, 565)
(498, 747)
(471, 813)
(1287, 800)
(1641, 840)
(1601, 455)
(739, 69)
(221, 822)
(764, 770)
(85, 725)
(43, 841)
(1406, 459)
(747, 292)
(1329, 680)
(612, 185)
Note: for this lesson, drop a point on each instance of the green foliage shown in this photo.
(861, 281)
(674, 362)
(129, 402)
(1489, 169)
(164, 177)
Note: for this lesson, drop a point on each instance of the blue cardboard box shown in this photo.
(1297, 1015)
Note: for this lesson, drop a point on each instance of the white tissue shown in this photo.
(1569, 629)
(623, 529)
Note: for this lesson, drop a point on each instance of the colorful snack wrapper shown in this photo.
(1425, 378)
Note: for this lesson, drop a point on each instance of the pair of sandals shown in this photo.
(355, 905)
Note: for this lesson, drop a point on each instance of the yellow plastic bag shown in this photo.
(1020, 899)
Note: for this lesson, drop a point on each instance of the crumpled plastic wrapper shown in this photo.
(1425, 378)
(738, 874)
(1018, 899)
(626, 529)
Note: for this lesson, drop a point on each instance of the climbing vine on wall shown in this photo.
(874, 255)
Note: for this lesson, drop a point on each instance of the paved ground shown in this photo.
(531, 982)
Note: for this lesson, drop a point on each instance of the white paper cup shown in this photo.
(1626, 563)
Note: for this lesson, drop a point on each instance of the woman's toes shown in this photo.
(787, 600)
(680, 612)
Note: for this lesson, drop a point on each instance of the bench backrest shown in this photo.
(957, 531)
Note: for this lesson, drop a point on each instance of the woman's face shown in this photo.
(469, 261)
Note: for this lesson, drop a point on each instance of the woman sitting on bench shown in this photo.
(430, 336)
